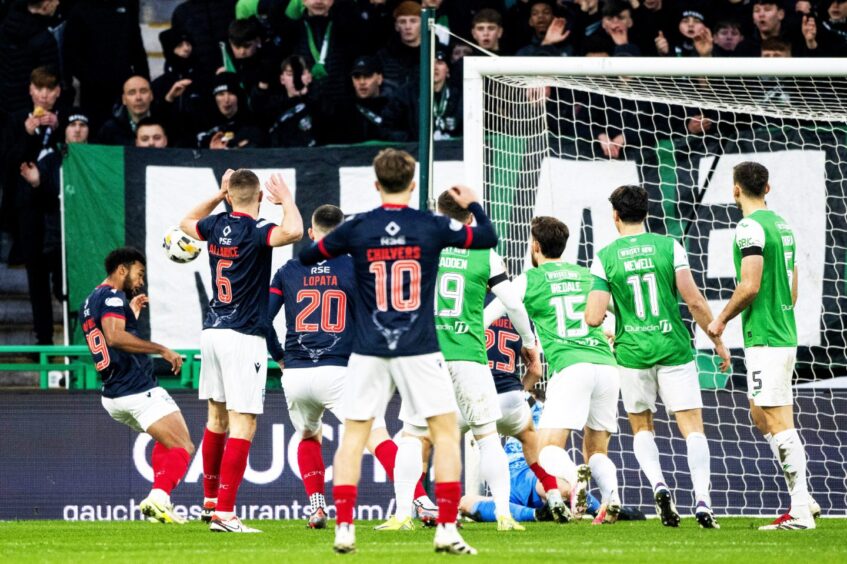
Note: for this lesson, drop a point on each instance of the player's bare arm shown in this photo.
(699, 308)
(188, 225)
(596, 307)
(114, 330)
(290, 229)
(744, 294)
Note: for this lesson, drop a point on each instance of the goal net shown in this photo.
(556, 136)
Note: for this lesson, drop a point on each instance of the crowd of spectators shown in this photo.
(300, 73)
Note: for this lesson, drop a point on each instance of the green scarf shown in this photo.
(319, 68)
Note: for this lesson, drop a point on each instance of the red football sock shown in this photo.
(233, 464)
(386, 453)
(169, 467)
(311, 466)
(345, 501)
(447, 496)
(160, 453)
(213, 452)
(548, 482)
(419, 489)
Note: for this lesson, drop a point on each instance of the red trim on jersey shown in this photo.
(394, 206)
(241, 214)
(197, 230)
(469, 238)
(276, 291)
(110, 314)
(322, 249)
(268, 239)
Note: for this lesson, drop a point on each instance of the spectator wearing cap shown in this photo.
(137, 102)
(362, 118)
(552, 36)
(151, 133)
(102, 49)
(615, 25)
(693, 37)
(487, 30)
(230, 125)
(651, 18)
(180, 71)
(76, 127)
(400, 59)
(401, 115)
(26, 42)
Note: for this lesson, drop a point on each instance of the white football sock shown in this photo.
(604, 472)
(772, 444)
(792, 460)
(494, 470)
(408, 467)
(556, 461)
(699, 465)
(647, 454)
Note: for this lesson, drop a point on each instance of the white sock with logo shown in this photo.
(792, 460)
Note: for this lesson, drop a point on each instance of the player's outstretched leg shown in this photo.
(407, 471)
(556, 461)
(171, 454)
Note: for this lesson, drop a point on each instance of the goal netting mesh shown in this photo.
(559, 143)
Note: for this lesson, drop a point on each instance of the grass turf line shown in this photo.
(290, 541)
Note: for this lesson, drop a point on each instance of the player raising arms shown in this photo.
(233, 350)
(646, 274)
(765, 264)
(395, 252)
(318, 303)
(131, 394)
(463, 276)
(583, 391)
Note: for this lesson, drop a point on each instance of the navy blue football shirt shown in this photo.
(318, 312)
(503, 344)
(123, 373)
(240, 259)
(395, 252)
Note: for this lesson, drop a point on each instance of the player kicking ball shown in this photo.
(232, 345)
(583, 391)
(318, 304)
(395, 252)
(765, 264)
(131, 394)
(463, 277)
(646, 274)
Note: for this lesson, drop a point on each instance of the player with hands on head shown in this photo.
(233, 373)
(131, 393)
(765, 256)
(646, 274)
(395, 252)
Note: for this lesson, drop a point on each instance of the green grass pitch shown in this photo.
(289, 541)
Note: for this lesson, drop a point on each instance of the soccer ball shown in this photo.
(179, 247)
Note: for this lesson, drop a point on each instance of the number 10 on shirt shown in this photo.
(401, 271)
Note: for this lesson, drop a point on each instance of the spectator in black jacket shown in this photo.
(362, 118)
(487, 30)
(651, 18)
(293, 113)
(26, 42)
(206, 22)
(103, 48)
(137, 103)
(552, 35)
(244, 48)
(180, 65)
(231, 126)
(400, 59)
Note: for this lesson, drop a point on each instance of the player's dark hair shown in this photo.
(327, 217)
(448, 206)
(630, 201)
(125, 256)
(551, 234)
(395, 170)
(752, 177)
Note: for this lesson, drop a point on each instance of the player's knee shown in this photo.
(481, 431)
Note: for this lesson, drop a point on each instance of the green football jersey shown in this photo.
(463, 277)
(555, 298)
(769, 320)
(640, 273)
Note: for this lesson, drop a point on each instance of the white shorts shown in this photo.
(678, 386)
(769, 374)
(422, 380)
(516, 413)
(309, 391)
(234, 369)
(476, 396)
(582, 395)
(140, 411)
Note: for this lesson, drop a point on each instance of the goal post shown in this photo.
(554, 136)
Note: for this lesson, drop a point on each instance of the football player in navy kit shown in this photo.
(233, 350)
(131, 393)
(395, 251)
(318, 341)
